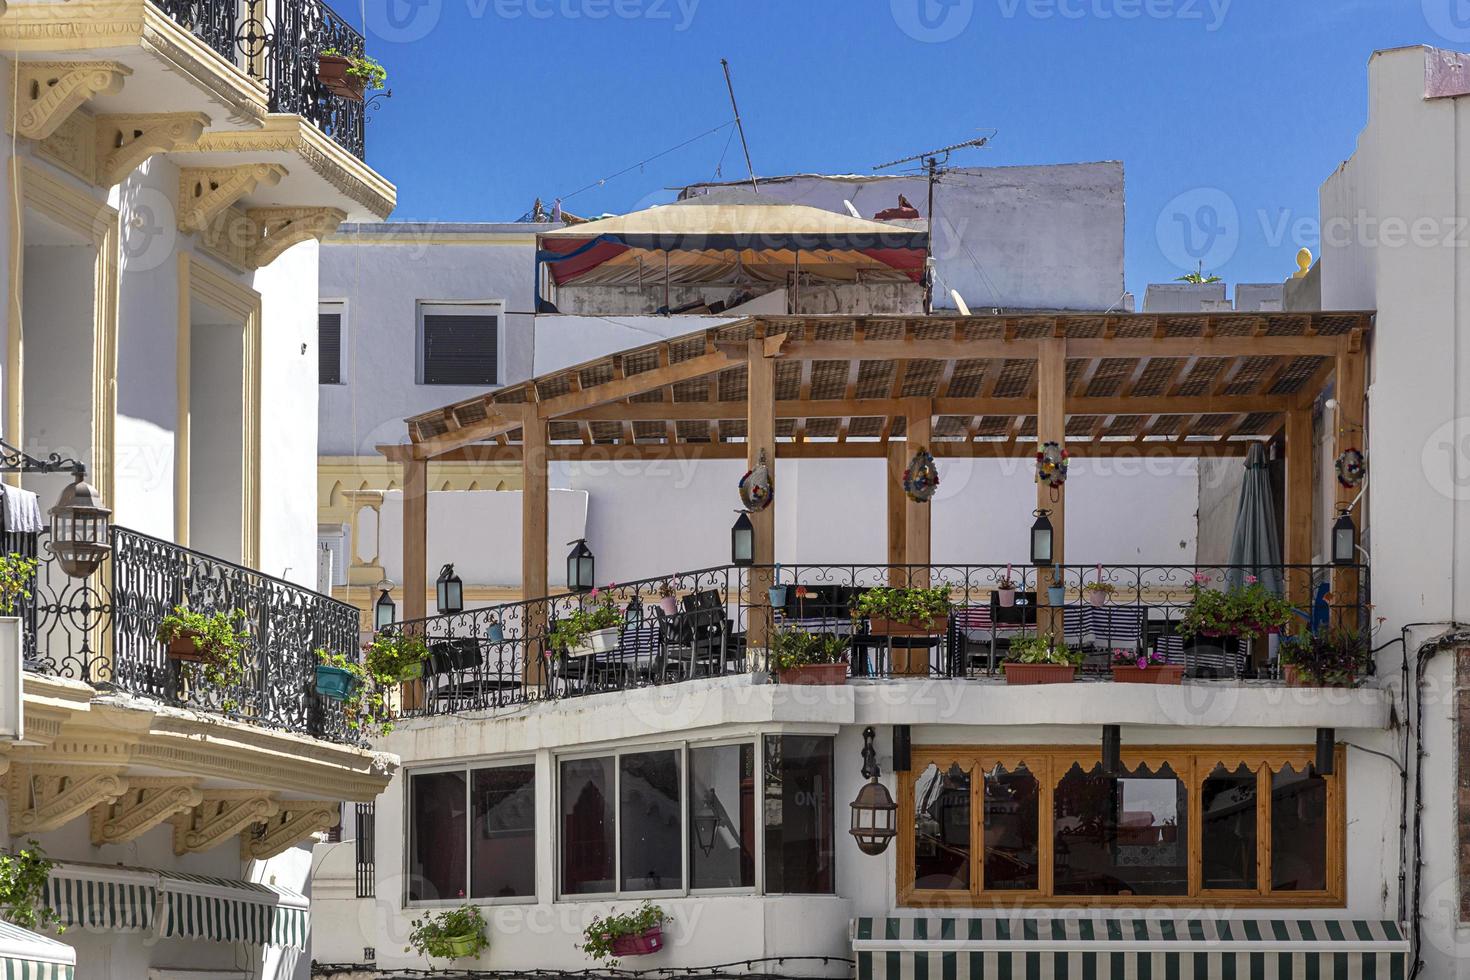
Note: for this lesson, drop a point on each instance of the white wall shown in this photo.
(215, 436)
(57, 319)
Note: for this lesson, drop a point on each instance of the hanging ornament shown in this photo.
(921, 479)
(1051, 466)
(757, 489)
(1351, 468)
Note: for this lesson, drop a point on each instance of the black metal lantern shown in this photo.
(1345, 540)
(1112, 750)
(873, 812)
(449, 591)
(580, 567)
(385, 611)
(706, 824)
(742, 541)
(633, 613)
(1326, 751)
(79, 537)
(1041, 539)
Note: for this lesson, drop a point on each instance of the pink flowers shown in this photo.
(1200, 578)
(1251, 580)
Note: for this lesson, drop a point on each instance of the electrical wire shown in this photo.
(647, 160)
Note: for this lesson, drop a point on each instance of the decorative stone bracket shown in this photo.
(206, 192)
(148, 802)
(125, 142)
(256, 237)
(219, 816)
(50, 91)
(45, 797)
(296, 821)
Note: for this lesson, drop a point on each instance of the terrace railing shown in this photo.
(711, 622)
(103, 630)
(276, 42)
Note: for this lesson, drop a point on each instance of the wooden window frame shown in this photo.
(1191, 763)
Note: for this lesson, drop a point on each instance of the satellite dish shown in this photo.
(959, 302)
(850, 209)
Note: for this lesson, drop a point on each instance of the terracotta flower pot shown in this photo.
(182, 647)
(1040, 673)
(820, 675)
(331, 71)
(880, 626)
(641, 944)
(1157, 674)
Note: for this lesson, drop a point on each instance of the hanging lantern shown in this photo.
(1351, 468)
(385, 611)
(79, 537)
(1112, 750)
(1051, 467)
(1326, 751)
(873, 812)
(633, 614)
(742, 541)
(1344, 540)
(449, 592)
(921, 479)
(757, 487)
(1041, 539)
(580, 567)
(706, 823)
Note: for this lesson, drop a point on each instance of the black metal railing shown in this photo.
(277, 42)
(103, 630)
(366, 849)
(714, 621)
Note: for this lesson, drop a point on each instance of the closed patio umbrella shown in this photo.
(1254, 546)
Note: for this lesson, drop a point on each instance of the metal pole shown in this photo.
(739, 126)
(932, 164)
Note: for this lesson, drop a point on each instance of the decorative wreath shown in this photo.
(1351, 468)
(1051, 465)
(757, 489)
(921, 479)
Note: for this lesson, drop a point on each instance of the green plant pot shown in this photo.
(334, 682)
(460, 946)
(412, 672)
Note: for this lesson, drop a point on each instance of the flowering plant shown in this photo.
(1142, 659)
(1331, 658)
(1044, 650)
(792, 648)
(1006, 584)
(1107, 588)
(1241, 611)
(603, 614)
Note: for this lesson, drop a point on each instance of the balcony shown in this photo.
(714, 622)
(102, 631)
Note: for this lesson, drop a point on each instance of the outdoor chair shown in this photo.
(456, 672)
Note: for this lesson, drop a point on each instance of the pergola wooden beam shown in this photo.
(1087, 347)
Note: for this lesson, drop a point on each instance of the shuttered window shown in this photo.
(461, 346)
(329, 346)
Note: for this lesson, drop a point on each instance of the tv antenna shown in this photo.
(933, 162)
(739, 126)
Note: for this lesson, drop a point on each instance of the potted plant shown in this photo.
(587, 630)
(1005, 591)
(668, 599)
(906, 612)
(776, 593)
(1098, 593)
(1056, 593)
(453, 934)
(809, 658)
(211, 646)
(1245, 610)
(349, 74)
(495, 633)
(362, 696)
(635, 933)
(1331, 658)
(1041, 660)
(16, 573)
(395, 657)
(23, 876)
(1150, 667)
(337, 678)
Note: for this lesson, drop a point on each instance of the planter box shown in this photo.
(331, 71)
(598, 641)
(1161, 674)
(650, 941)
(182, 648)
(820, 675)
(1295, 677)
(1040, 673)
(878, 626)
(460, 946)
(334, 682)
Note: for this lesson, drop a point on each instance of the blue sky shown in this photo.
(1214, 106)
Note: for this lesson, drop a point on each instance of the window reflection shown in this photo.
(1228, 832)
(1298, 831)
(649, 820)
(722, 816)
(1012, 830)
(1121, 835)
(437, 842)
(588, 850)
(503, 838)
(798, 814)
(942, 829)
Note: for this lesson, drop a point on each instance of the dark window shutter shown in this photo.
(329, 348)
(460, 349)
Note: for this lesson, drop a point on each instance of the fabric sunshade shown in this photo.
(24, 955)
(100, 897)
(1254, 545)
(904, 948)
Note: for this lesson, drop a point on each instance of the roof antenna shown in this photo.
(739, 126)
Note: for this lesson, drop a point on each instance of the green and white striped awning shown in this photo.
(1098, 947)
(27, 956)
(173, 904)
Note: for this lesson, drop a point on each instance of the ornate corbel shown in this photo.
(148, 802)
(125, 142)
(206, 192)
(296, 821)
(50, 91)
(219, 816)
(45, 797)
(277, 229)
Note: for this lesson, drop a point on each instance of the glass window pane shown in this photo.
(1012, 831)
(587, 846)
(1228, 845)
(722, 816)
(503, 832)
(650, 820)
(1121, 835)
(436, 829)
(1298, 831)
(942, 829)
(798, 814)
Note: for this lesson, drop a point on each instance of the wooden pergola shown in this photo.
(826, 387)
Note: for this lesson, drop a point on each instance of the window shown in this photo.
(472, 834)
(798, 805)
(722, 816)
(329, 343)
(461, 344)
(1182, 826)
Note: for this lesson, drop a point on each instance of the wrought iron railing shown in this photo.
(103, 630)
(277, 42)
(713, 622)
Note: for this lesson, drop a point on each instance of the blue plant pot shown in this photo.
(777, 595)
(1056, 595)
(495, 634)
(334, 682)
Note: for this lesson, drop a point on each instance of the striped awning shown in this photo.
(26, 956)
(1106, 948)
(172, 904)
